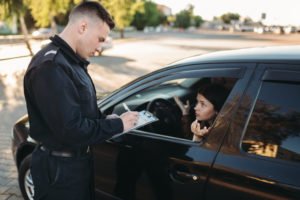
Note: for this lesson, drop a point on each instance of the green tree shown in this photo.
(149, 16)
(17, 8)
(123, 11)
(163, 19)
(228, 17)
(139, 21)
(198, 21)
(45, 15)
(183, 19)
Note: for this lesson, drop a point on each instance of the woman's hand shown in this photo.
(185, 108)
(198, 132)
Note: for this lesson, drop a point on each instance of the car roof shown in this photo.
(274, 54)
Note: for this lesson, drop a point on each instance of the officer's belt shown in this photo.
(66, 153)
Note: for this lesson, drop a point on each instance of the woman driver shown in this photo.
(210, 100)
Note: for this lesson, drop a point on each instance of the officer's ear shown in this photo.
(82, 27)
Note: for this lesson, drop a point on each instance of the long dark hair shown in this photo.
(215, 93)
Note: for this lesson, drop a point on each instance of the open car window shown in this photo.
(158, 99)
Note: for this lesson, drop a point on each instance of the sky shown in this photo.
(278, 12)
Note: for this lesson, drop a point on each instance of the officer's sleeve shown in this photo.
(57, 100)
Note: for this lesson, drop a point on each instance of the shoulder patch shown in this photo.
(50, 52)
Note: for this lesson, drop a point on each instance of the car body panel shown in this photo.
(150, 170)
(276, 54)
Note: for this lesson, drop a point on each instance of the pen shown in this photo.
(126, 107)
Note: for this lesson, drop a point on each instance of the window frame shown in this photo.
(230, 70)
(271, 73)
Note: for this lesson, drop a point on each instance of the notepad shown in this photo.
(145, 117)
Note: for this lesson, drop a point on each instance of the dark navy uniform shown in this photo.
(65, 120)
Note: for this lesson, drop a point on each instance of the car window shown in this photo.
(274, 128)
(158, 99)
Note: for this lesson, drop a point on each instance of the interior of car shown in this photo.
(159, 100)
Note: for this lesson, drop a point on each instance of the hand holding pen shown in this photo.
(126, 107)
(129, 118)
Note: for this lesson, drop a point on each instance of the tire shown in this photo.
(25, 180)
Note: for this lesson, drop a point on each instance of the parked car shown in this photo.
(251, 152)
(42, 33)
(4, 29)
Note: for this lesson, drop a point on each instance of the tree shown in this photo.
(198, 21)
(123, 11)
(139, 21)
(183, 19)
(17, 8)
(45, 15)
(228, 17)
(247, 20)
(148, 16)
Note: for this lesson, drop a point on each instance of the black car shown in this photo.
(251, 152)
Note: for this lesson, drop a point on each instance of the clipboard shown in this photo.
(145, 117)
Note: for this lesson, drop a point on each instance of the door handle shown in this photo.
(183, 177)
(187, 175)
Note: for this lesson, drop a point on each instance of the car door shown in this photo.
(260, 155)
(149, 165)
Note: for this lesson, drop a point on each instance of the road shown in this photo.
(132, 57)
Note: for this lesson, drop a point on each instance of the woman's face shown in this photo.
(204, 109)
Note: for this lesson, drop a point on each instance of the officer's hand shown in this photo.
(129, 119)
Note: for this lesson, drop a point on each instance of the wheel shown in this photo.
(25, 179)
(169, 117)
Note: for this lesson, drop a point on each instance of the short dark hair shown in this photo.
(93, 8)
(216, 94)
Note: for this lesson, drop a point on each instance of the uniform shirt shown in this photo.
(61, 100)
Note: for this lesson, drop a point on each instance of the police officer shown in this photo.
(62, 107)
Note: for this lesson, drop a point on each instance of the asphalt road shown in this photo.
(132, 57)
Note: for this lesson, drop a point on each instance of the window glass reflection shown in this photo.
(274, 127)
